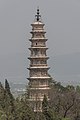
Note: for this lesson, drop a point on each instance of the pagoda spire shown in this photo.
(38, 16)
(38, 67)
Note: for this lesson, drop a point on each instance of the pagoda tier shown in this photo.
(38, 78)
(38, 39)
(38, 47)
(38, 57)
(38, 68)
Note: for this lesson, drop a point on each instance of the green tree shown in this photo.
(9, 101)
(2, 96)
(78, 88)
(48, 113)
(23, 110)
(45, 104)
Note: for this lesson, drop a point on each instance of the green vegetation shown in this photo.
(63, 105)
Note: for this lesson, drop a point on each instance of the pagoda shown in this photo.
(38, 68)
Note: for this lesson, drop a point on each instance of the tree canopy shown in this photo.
(64, 104)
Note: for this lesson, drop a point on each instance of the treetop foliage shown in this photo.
(64, 104)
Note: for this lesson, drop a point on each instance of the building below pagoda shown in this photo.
(38, 68)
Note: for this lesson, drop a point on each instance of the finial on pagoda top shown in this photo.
(38, 16)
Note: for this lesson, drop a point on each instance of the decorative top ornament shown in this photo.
(38, 16)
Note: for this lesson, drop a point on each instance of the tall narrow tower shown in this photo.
(38, 69)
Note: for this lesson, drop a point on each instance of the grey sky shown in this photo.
(62, 24)
(61, 18)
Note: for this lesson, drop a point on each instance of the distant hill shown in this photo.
(64, 68)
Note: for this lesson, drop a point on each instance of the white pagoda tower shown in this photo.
(38, 68)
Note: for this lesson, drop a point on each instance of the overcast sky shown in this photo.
(62, 24)
(61, 18)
